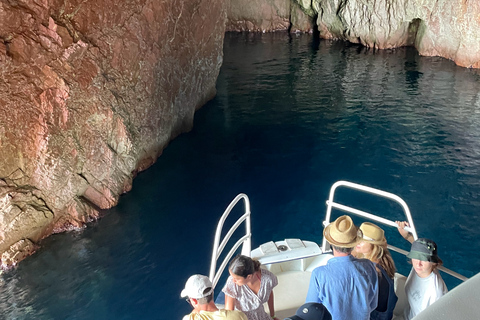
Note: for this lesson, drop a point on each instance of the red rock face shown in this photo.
(90, 94)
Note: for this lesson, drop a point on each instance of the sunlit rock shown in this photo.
(267, 16)
(446, 28)
(90, 94)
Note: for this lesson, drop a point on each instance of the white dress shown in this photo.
(422, 292)
(247, 301)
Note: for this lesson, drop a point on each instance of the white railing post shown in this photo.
(219, 246)
(331, 204)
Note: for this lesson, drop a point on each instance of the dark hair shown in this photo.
(243, 266)
(206, 299)
(342, 249)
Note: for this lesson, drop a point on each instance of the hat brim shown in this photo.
(326, 234)
(184, 293)
(380, 243)
(422, 256)
(293, 318)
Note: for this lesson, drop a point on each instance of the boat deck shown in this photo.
(290, 292)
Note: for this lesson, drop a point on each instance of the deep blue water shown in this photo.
(292, 116)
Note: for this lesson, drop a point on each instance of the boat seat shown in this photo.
(399, 283)
(290, 293)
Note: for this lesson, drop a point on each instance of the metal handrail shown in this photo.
(245, 240)
(331, 204)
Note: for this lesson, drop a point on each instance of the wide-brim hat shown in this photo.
(373, 234)
(425, 250)
(311, 311)
(196, 287)
(342, 233)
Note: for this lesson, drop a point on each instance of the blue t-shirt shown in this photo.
(347, 287)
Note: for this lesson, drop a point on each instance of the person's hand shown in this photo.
(401, 229)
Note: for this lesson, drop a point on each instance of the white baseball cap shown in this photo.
(195, 287)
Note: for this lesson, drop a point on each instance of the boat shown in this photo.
(293, 260)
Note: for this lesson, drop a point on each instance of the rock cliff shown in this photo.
(446, 28)
(91, 92)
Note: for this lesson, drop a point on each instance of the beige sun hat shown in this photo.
(373, 233)
(342, 233)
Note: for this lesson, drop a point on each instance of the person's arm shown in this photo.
(401, 229)
(271, 307)
(313, 290)
(229, 302)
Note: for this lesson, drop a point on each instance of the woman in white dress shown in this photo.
(424, 284)
(249, 287)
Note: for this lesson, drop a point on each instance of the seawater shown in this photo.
(292, 116)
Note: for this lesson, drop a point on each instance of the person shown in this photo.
(347, 286)
(424, 284)
(311, 311)
(374, 248)
(199, 294)
(248, 287)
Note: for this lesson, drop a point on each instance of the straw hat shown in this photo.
(373, 233)
(342, 233)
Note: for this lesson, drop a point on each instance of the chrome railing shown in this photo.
(219, 246)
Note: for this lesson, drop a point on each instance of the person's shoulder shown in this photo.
(233, 314)
(267, 273)
(187, 317)
(364, 262)
(440, 283)
(229, 283)
(237, 315)
(270, 277)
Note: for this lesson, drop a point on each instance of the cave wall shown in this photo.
(267, 16)
(91, 91)
(445, 28)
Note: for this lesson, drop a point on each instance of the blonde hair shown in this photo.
(382, 257)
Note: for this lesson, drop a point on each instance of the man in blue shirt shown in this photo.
(347, 286)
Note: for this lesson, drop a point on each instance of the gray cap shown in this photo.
(424, 250)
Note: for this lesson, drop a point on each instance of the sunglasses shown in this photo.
(189, 301)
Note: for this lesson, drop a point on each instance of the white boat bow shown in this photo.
(293, 260)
